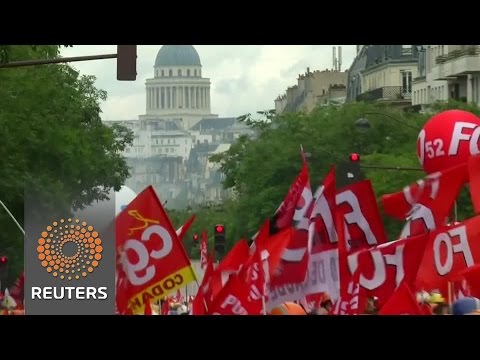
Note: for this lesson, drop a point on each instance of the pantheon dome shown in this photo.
(178, 90)
(177, 55)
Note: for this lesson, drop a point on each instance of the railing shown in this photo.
(386, 93)
(472, 50)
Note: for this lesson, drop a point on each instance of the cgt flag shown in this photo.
(151, 261)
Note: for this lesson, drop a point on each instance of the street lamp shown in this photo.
(363, 124)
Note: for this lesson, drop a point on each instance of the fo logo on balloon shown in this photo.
(69, 249)
(448, 139)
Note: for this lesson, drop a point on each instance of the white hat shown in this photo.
(182, 309)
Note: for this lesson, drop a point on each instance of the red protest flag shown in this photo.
(402, 302)
(151, 261)
(428, 202)
(233, 299)
(182, 230)
(449, 252)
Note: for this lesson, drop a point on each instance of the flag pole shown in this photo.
(264, 306)
(13, 217)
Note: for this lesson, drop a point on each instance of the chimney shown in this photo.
(339, 58)
(334, 57)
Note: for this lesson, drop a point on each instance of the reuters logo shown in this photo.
(69, 249)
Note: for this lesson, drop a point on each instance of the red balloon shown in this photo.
(448, 139)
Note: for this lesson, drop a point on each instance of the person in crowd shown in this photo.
(372, 306)
(437, 303)
(326, 304)
(441, 309)
(466, 306)
(319, 311)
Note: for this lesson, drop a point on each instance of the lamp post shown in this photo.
(363, 124)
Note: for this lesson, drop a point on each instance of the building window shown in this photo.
(163, 73)
(188, 72)
(406, 49)
(168, 141)
(179, 72)
(172, 150)
(406, 82)
(127, 150)
(195, 72)
(161, 141)
(185, 141)
(170, 72)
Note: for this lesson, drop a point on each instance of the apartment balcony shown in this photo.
(387, 93)
(457, 63)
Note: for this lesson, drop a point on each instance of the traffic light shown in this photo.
(349, 171)
(126, 62)
(219, 238)
(354, 157)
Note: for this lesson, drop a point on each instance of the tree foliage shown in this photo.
(53, 141)
(261, 169)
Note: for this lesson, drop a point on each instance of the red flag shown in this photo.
(182, 230)
(384, 267)
(359, 226)
(273, 246)
(294, 212)
(233, 299)
(199, 302)
(151, 260)
(450, 251)
(427, 203)
(354, 301)
(253, 275)
(204, 250)
(230, 264)
(322, 275)
(402, 302)
(471, 276)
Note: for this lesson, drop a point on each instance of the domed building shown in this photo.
(178, 91)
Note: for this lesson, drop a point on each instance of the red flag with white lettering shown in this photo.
(233, 299)
(293, 212)
(151, 260)
(323, 240)
(253, 275)
(353, 302)
(359, 226)
(449, 251)
(384, 267)
(427, 203)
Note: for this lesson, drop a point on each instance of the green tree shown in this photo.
(53, 142)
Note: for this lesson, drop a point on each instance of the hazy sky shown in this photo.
(245, 78)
